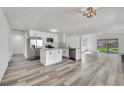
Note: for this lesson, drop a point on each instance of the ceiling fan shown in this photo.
(86, 11)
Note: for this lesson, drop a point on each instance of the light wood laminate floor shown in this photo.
(21, 72)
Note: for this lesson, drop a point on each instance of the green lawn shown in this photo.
(102, 49)
(112, 50)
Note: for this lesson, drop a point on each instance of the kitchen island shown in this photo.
(50, 56)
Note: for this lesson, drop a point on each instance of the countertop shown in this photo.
(51, 49)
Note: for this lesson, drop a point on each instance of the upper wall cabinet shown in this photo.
(55, 37)
(36, 33)
(39, 34)
(32, 33)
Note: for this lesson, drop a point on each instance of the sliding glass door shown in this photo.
(107, 45)
(113, 46)
(102, 45)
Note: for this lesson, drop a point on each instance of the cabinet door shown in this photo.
(65, 53)
(32, 33)
(58, 55)
(55, 36)
(38, 34)
(49, 57)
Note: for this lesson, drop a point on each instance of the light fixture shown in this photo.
(89, 12)
(54, 30)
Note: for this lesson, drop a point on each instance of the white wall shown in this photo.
(10, 42)
(26, 45)
(73, 41)
(5, 51)
(62, 38)
(90, 42)
(18, 42)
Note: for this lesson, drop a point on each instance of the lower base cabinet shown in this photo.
(50, 56)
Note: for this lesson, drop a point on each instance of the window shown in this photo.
(102, 45)
(107, 45)
(113, 46)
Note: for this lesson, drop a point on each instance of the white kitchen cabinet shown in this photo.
(44, 35)
(78, 54)
(58, 55)
(65, 53)
(32, 33)
(55, 36)
(50, 56)
(39, 34)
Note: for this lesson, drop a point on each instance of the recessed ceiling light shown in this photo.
(54, 30)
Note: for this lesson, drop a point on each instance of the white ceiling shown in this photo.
(66, 19)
